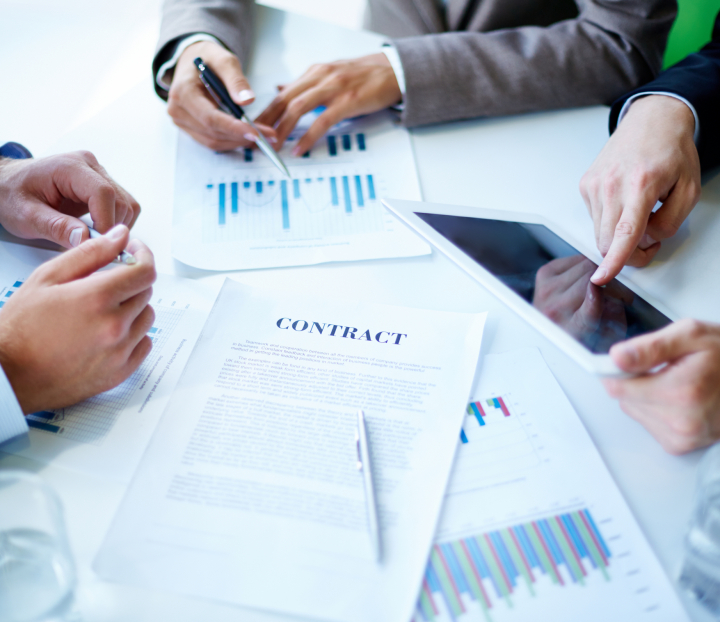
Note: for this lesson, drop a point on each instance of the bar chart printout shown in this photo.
(235, 210)
(533, 526)
(488, 567)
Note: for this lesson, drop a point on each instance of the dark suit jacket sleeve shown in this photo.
(231, 21)
(697, 79)
(610, 47)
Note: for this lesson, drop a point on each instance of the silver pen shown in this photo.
(124, 257)
(222, 98)
(364, 465)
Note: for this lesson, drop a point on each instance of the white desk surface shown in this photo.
(526, 163)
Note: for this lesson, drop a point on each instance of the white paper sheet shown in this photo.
(107, 434)
(248, 491)
(236, 210)
(533, 527)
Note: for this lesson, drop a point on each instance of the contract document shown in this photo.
(249, 490)
(533, 527)
(107, 434)
(236, 210)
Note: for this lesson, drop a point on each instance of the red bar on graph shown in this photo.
(503, 407)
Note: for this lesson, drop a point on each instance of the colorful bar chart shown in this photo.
(564, 548)
(346, 142)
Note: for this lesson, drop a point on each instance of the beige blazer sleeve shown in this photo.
(495, 68)
(231, 21)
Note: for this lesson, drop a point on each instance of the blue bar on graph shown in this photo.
(246, 184)
(285, 208)
(308, 180)
(258, 187)
(346, 190)
(9, 294)
(2, 303)
(51, 428)
(209, 186)
(248, 154)
(361, 142)
(17, 284)
(347, 142)
(296, 189)
(333, 191)
(306, 154)
(45, 415)
(320, 179)
(271, 183)
(332, 145)
(221, 204)
(463, 436)
(358, 189)
(153, 330)
(371, 188)
(233, 198)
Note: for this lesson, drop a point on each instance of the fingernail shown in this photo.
(116, 232)
(250, 137)
(646, 242)
(273, 140)
(246, 95)
(297, 151)
(76, 236)
(628, 353)
(599, 274)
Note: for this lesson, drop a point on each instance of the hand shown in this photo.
(70, 333)
(680, 403)
(651, 157)
(193, 109)
(593, 315)
(345, 88)
(44, 198)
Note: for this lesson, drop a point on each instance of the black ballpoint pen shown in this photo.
(222, 98)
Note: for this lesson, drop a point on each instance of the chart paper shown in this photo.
(107, 434)
(533, 527)
(236, 210)
(249, 491)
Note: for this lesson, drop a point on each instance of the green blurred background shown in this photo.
(691, 29)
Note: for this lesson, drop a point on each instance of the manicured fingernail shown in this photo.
(76, 236)
(297, 151)
(273, 140)
(600, 273)
(646, 242)
(246, 95)
(628, 353)
(250, 137)
(116, 232)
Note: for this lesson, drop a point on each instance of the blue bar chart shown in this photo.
(320, 202)
(8, 291)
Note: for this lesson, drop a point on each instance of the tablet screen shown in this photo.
(553, 277)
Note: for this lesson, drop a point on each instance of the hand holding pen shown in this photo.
(193, 109)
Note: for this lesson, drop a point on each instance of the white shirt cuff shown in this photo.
(392, 55)
(181, 47)
(627, 105)
(12, 420)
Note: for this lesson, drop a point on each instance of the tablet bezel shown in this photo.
(601, 365)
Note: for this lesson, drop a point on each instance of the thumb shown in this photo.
(63, 229)
(643, 353)
(235, 81)
(88, 257)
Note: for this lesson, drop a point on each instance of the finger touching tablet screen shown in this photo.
(548, 273)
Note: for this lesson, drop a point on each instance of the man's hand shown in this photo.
(346, 88)
(44, 198)
(679, 404)
(651, 157)
(69, 333)
(193, 109)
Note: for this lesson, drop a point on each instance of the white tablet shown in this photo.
(536, 269)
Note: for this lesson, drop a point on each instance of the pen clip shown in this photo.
(214, 95)
(359, 463)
